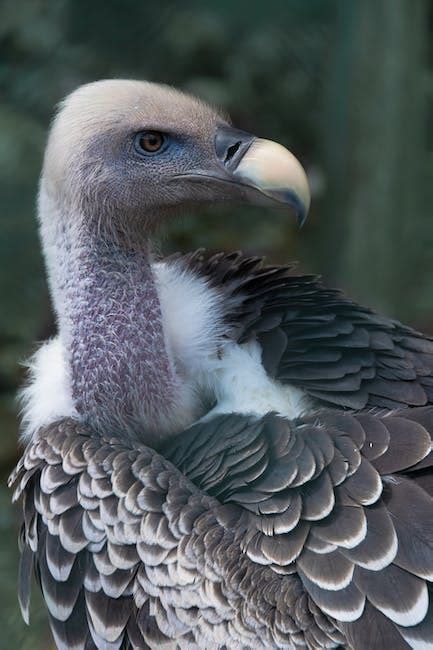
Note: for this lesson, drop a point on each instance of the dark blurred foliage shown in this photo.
(346, 84)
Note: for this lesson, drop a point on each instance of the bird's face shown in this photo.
(132, 151)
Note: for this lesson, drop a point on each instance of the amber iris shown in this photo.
(151, 141)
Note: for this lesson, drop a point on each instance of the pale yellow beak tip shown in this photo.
(277, 173)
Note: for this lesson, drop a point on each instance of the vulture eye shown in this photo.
(150, 142)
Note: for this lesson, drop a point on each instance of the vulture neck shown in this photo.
(121, 374)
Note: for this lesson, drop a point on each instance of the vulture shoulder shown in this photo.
(315, 338)
(241, 532)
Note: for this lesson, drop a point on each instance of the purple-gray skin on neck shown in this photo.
(120, 370)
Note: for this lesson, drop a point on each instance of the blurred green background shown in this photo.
(346, 84)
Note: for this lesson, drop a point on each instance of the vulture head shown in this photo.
(125, 153)
(123, 156)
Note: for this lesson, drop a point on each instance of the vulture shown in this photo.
(219, 453)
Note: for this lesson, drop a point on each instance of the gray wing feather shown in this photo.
(339, 352)
(339, 501)
(257, 532)
(130, 553)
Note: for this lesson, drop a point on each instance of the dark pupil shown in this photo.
(151, 141)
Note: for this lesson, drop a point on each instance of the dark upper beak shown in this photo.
(268, 172)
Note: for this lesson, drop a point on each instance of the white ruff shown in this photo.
(192, 314)
(47, 395)
(240, 384)
(213, 367)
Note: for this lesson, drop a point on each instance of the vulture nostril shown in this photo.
(231, 151)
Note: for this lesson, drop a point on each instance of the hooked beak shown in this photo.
(268, 173)
(250, 169)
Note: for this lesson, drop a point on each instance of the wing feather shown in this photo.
(362, 538)
(336, 350)
(130, 553)
(255, 531)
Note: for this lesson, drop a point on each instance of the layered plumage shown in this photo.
(271, 484)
